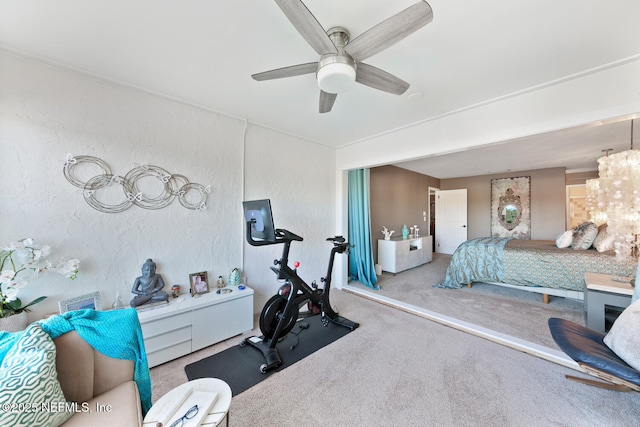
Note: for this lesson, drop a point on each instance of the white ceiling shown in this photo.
(204, 52)
(576, 149)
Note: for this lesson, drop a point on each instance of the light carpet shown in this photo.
(400, 369)
(513, 312)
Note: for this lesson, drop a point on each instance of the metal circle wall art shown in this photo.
(190, 195)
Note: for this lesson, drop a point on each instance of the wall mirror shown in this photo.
(510, 213)
(510, 210)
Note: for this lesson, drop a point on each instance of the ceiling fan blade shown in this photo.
(390, 31)
(376, 78)
(293, 70)
(307, 26)
(326, 101)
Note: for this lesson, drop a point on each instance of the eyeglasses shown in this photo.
(190, 414)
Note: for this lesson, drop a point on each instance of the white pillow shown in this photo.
(565, 239)
(624, 336)
(604, 239)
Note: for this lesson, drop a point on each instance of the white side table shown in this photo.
(189, 324)
(218, 414)
(398, 254)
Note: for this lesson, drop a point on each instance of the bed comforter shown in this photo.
(538, 263)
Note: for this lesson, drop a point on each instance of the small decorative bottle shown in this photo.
(117, 303)
(234, 277)
(405, 231)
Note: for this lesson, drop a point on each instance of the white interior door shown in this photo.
(451, 220)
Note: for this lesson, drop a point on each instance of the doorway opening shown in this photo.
(577, 212)
(431, 216)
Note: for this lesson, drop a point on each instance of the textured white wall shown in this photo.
(47, 112)
(299, 180)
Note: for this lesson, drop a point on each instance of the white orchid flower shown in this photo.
(69, 268)
(10, 294)
(41, 252)
(6, 276)
(21, 262)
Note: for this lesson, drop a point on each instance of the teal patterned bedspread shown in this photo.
(537, 263)
(476, 260)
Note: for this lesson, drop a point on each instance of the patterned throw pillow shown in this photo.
(584, 235)
(30, 394)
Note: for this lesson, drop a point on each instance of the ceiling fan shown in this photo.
(340, 63)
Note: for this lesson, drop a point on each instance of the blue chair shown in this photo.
(587, 348)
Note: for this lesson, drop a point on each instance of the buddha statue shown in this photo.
(148, 287)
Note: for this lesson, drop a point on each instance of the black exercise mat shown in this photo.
(240, 366)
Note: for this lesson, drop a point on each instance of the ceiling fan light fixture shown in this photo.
(336, 74)
(336, 70)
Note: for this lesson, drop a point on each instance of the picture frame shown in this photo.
(92, 301)
(199, 283)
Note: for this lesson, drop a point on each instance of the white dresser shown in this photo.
(400, 254)
(188, 324)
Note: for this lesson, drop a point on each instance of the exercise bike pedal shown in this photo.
(324, 320)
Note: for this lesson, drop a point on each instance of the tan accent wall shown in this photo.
(547, 202)
(398, 197)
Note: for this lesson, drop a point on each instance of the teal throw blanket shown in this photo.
(114, 333)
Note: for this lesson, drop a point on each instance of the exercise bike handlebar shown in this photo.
(283, 271)
(282, 236)
(286, 235)
(340, 245)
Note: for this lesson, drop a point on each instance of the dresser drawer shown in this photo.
(168, 338)
(169, 353)
(157, 327)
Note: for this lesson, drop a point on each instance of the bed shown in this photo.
(532, 265)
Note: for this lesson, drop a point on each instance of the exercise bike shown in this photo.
(280, 314)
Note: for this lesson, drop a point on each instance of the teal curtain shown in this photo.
(361, 266)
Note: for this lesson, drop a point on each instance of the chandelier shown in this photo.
(595, 202)
(617, 196)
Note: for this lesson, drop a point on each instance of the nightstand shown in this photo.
(601, 290)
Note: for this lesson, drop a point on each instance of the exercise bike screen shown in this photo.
(258, 212)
